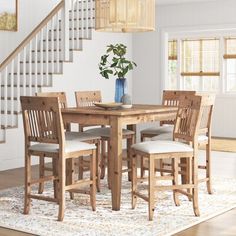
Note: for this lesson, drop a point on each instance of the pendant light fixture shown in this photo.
(125, 15)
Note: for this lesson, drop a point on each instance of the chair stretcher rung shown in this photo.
(79, 183)
(173, 187)
(49, 199)
(203, 180)
(44, 179)
(184, 193)
(79, 191)
(202, 167)
(141, 196)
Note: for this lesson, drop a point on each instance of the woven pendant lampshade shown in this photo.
(125, 15)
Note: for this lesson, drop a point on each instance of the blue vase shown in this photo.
(120, 89)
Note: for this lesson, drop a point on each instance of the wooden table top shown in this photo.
(135, 110)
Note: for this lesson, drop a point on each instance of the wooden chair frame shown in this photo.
(70, 163)
(186, 128)
(87, 98)
(43, 124)
(169, 98)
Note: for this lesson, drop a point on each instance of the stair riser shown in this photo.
(32, 82)
(22, 91)
(49, 56)
(42, 55)
(2, 135)
(15, 104)
(41, 68)
(80, 34)
(26, 78)
(75, 45)
(9, 120)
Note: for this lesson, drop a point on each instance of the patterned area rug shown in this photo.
(81, 220)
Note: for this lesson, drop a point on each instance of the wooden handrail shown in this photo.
(31, 35)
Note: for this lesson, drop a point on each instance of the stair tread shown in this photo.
(10, 113)
(41, 61)
(73, 28)
(9, 98)
(90, 9)
(44, 40)
(33, 73)
(22, 86)
(49, 50)
(8, 127)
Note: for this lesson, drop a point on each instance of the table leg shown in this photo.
(116, 161)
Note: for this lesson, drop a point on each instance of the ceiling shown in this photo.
(166, 2)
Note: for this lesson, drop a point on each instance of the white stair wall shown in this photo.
(42, 54)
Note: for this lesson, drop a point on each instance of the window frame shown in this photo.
(179, 36)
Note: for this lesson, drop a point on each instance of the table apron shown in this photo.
(144, 118)
(86, 119)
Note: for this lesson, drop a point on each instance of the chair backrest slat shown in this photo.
(188, 118)
(62, 101)
(42, 119)
(87, 98)
(60, 95)
(171, 98)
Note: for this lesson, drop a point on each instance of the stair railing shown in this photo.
(31, 65)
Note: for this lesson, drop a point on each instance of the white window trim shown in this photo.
(218, 31)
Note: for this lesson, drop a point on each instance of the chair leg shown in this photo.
(108, 166)
(151, 181)
(142, 171)
(208, 167)
(103, 159)
(70, 165)
(93, 179)
(27, 183)
(41, 174)
(195, 188)
(55, 173)
(161, 167)
(130, 142)
(175, 166)
(188, 175)
(81, 168)
(98, 170)
(61, 192)
(134, 179)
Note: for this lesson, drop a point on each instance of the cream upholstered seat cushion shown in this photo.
(105, 132)
(156, 147)
(158, 130)
(80, 136)
(169, 136)
(70, 146)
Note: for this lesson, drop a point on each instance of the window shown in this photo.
(200, 64)
(230, 64)
(172, 64)
(203, 64)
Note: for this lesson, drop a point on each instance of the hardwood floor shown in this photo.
(224, 164)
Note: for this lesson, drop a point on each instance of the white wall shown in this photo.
(82, 74)
(147, 52)
(30, 13)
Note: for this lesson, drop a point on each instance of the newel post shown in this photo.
(66, 30)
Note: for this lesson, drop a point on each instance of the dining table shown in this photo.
(117, 119)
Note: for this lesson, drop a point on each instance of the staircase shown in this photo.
(31, 66)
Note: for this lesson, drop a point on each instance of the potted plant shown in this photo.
(115, 63)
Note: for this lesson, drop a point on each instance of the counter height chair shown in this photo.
(45, 136)
(70, 136)
(204, 137)
(186, 128)
(85, 99)
(169, 98)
